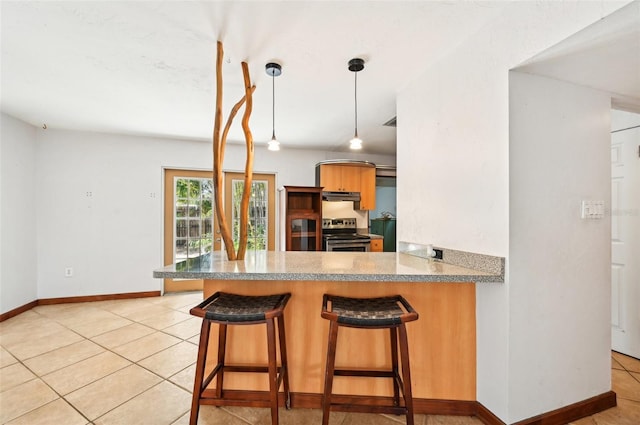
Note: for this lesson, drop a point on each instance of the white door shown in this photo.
(625, 233)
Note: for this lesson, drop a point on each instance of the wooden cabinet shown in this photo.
(303, 218)
(367, 188)
(349, 177)
(340, 178)
(385, 227)
(376, 245)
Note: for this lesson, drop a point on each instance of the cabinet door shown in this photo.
(376, 245)
(350, 178)
(331, 178)
(304, 232)
(367, 188)
(340, 178)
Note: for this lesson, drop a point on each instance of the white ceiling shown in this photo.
(148, 68)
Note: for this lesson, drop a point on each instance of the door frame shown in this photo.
(169, 174)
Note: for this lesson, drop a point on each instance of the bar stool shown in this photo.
(230, 309)
(370, 313)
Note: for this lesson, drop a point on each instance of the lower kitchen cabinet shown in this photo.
(385, 227)
(376, 245)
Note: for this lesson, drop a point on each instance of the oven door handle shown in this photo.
(342, 246)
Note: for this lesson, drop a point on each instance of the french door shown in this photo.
(262, 217)
(189, 221)
(190, 228)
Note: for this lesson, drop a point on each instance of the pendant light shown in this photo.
(274, 70)
(356, 65)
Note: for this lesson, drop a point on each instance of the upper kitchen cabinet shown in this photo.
(340, 178)
(349, 176)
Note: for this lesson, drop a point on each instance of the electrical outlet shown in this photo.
(68, 272)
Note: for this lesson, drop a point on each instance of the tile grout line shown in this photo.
(85, 338)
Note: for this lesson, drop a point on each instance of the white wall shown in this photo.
(97, 202)
(560, 264)
(453, 170)
(18, 205)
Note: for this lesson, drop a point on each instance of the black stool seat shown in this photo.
(227, 309)
(241, 308)
(368, 312)
(391, 313)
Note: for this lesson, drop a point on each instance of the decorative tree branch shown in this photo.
(232, 115)
(219, 143)
(248, 169)
(218, 152)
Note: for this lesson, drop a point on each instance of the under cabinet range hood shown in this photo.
(341, 196)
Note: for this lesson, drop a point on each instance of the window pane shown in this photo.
(258, 220)
(193, 217)
(194, 248)
(206, 245)
(194, 208)
(181, 249)
(194, 229)
(194, 189)
(181, 228)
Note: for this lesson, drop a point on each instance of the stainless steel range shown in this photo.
(340, 234)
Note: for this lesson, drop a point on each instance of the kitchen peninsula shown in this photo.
(442, 342)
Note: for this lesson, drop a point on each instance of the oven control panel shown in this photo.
(339, 223)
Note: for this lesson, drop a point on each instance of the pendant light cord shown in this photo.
(356, 101)
(273, 106)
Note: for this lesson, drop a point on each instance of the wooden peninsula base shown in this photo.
(442, 342)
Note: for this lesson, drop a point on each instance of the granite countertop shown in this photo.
(333, 266)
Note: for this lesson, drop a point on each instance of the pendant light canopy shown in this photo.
(356, 65)
(274, 70)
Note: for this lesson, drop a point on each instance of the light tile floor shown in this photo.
(131, 362)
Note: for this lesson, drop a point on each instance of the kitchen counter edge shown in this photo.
(421, 270)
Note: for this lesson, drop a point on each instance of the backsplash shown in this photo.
(485, 263)
(344, 209)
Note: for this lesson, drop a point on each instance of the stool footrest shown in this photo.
(365, 373)
(241, 398)
(242, 369)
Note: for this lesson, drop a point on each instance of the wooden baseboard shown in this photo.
(560, 416)
(90, 298)
(81, 299)
(486, 416)
(445, 407)
(314, 401)
(12, 313)
(573, 411)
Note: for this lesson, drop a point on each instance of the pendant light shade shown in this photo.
(356, 65)
(274, 70)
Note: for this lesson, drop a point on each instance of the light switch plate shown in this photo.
(592, 209)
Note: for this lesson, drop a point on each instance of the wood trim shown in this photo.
(314, 401)
(105, 297)
(560, 416)
(486, 416)
(168, 226)
(573, 411)
(445, 407)
(13, 313)
(81, 299)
